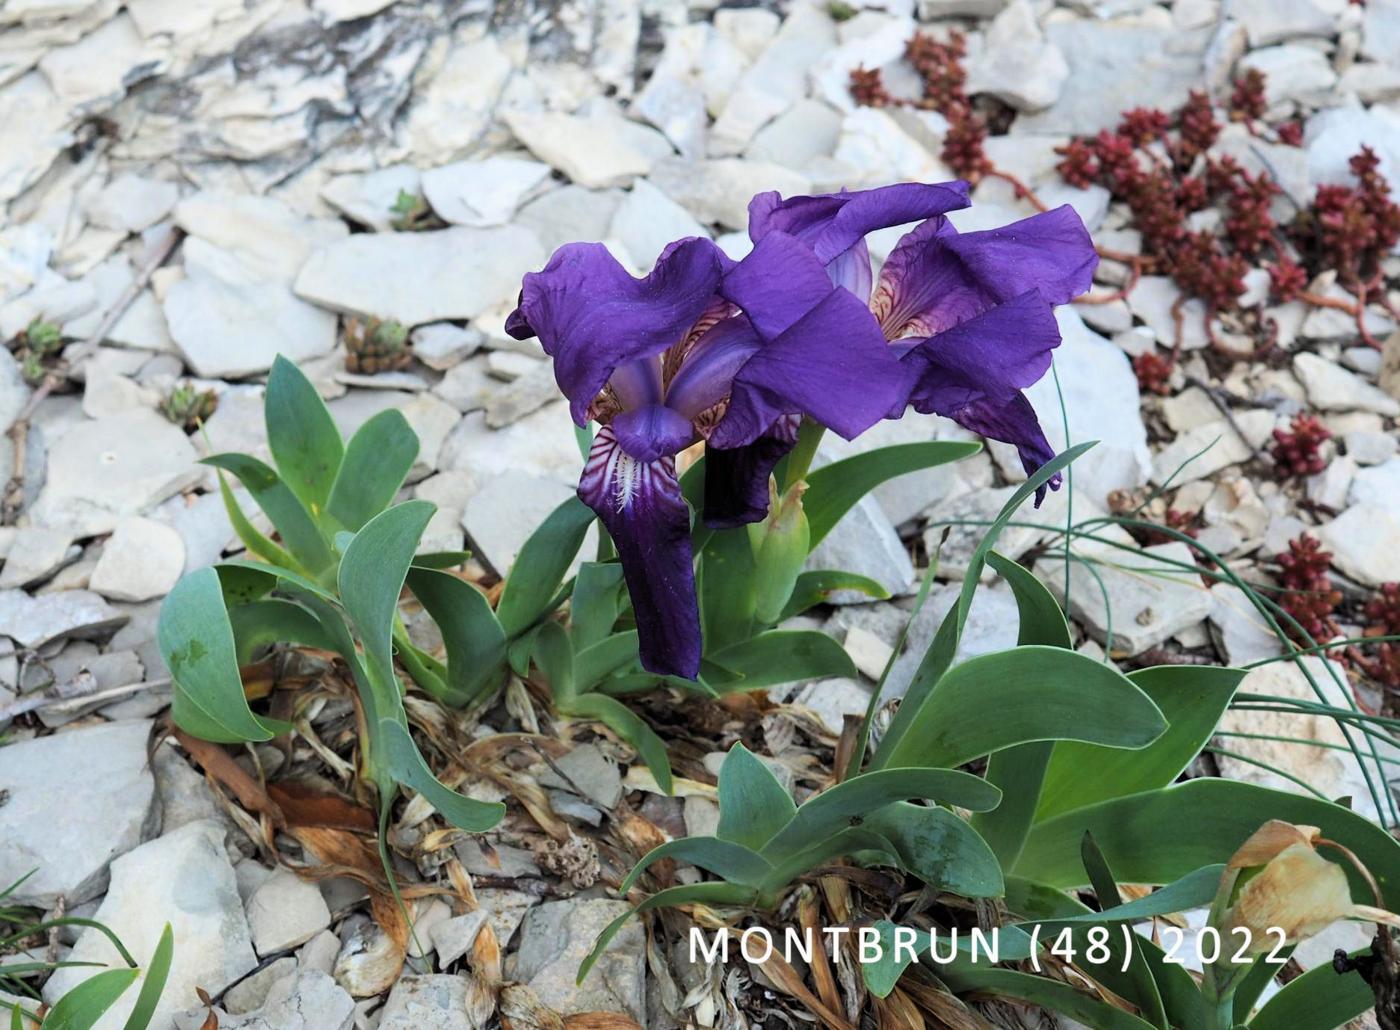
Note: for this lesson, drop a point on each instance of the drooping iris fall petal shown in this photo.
(641, 505)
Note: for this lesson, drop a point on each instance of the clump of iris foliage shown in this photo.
(83, 1006)
(1023, 782)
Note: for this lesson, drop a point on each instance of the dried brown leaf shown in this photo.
(787, 980)
(219, 764)
(521, 1009)
(302, 805)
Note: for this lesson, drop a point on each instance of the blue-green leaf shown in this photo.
(1318, 998)
(835, 489)
(753, 805)
(154, 984)
(407, 766)
(939, 848)
(814, 588)
(733, 862)
(475, 641)
(714, 893)
(260, 624)
(294, 523)
(1161, 835)
(372, 575)
(779, 656)
(1035, 693)
(541, 565)
(630, 727)
(1191, 697)
(851, 802)
(197, 643)
(376, 463)
(302, 436)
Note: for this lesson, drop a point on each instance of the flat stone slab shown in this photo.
(183, 879)
(76, 801)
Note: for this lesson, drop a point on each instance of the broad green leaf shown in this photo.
(814, 588)
(541, 565)
(835, 489)
(1319, 998)
(1041, 621)
(780, 656)
(849, 803)
(1125, 970)
(1192, 699)
(1020, 771)
(372, 574)
(593, 664)
(475, 642)
(1194, 890)
(595, 603)
(260, 624)
(856, 842)
(753, 805)
(940, 848)
(1161, 835)
(376, 463)
(291, 518)
(249, 534)
(732, 862)
(713, 893)
(630, 727)
(939, 655)
(1051, 994)
(243, 584)
(726, 587)
(196, 641)
(284, 579)
(302, 436)
(555, 657)
(154, 984)
(1253, 983)
(440, 559)
(1035, 693)
(82, 1007)
(406, 764)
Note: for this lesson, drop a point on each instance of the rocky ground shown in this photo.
(194, 187)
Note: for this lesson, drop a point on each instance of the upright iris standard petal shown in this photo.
(974, 372)
(641, 505)
(592, 317)
(834, 225)
(935, 277)
(823, 353)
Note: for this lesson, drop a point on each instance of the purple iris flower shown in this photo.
(677, 357)
(970, 315)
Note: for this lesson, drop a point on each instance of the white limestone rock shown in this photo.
(184, 879)
(100, 782)
(482, 193)
(142, 559)
(104, 469)
(419, 277)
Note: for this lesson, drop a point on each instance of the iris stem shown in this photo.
(799, 461)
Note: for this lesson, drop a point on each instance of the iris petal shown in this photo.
(935, 278)
(834, 225)
(652, 432)
(708, 371)
(641, 505)
(736, 480)
(974, 372)
(592, 317)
